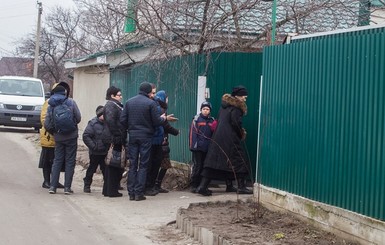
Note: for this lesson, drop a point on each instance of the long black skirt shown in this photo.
(112, 177)
(47, 156)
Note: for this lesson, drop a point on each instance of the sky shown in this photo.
(19, 18)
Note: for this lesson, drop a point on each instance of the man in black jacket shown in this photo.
(140, 116)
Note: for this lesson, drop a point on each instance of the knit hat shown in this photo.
(99, 110)
(239, 91)
(161, 96)
(206, 104)
(59, 90)
(145, 87)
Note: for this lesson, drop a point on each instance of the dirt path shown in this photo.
(239, 222)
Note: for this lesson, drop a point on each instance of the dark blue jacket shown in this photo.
(55, 100)
(140, 116)
(97, 137)
(200, 133)
(158, 137)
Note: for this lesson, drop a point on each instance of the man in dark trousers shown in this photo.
(140, 116)
(66, 142)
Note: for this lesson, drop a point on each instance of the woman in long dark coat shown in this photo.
(225, 158)
(112, 110)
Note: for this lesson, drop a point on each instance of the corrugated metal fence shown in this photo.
(323, 120)
(179, 76)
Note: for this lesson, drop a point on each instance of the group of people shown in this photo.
(216, 145)
(144, 118)
(141, 127)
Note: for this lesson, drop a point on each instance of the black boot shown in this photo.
(87, 185)
(47, 178)
(159, 179)
(242, 187)
(203, 187)
(230, 187)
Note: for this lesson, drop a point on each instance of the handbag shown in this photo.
(116, 159)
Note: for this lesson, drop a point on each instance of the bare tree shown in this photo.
(60, 40)
(189, 26)
(178, 27)
(103, 23)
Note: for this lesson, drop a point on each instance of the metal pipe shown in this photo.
(273, 20)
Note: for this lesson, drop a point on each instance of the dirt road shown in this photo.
(30, 214)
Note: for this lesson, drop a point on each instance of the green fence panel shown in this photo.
(231, 69)
(323, 117)
(179, 76)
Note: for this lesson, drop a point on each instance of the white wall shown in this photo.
(377, 17)
(89, 91)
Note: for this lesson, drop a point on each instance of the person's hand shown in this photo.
(244, 134)
(171, 118)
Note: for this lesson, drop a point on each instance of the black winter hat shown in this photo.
(206, 104)
(66, 86)
(145, 87)
(59, 90)
(99, 110)
(239, 91)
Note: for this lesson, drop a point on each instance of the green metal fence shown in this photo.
(323, 119)
(178, 77)
(231, 69)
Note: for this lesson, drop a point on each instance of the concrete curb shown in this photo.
(199, 233)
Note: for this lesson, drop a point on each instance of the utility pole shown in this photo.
(273, 20)
(37, 42)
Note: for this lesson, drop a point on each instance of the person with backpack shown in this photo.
(47, 143)
(62, 118)
(97, 138)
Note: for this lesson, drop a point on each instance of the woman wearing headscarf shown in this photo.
(225, 158)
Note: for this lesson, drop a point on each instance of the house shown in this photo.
(14, 66)
(184, 22)
(377, 12)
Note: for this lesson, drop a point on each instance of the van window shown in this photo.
(20, 87)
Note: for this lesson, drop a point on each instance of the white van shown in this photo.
(21, 100)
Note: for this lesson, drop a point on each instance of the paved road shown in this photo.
(29, 215)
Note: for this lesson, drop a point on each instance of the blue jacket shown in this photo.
(158, 137)
(55, 100)
(200, 133)
(140, 116)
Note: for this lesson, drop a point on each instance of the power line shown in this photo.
(18, 6)
(15, 16)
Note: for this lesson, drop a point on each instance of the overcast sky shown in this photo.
(19, 17)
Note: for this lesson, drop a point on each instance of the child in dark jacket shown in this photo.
(201, 130)
(97, 138)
